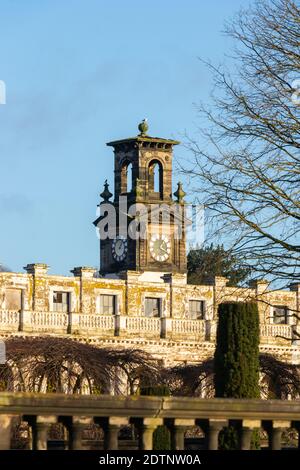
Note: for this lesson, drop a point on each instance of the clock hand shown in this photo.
(163, 249)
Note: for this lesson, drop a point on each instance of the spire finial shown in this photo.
(179, 193)
(106, 194)
(143, 127)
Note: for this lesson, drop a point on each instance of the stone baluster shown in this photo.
(40, 431)
(248, 426)
(6, 422)
(177, 428)
(215, 426)
(111, 427)
(75, 427)
(296, 425)
(146, 429)
(275, 433)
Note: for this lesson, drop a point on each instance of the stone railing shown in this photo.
(143, 325)
(9, 319)
(276, 331)
(179, 414)
(123, 325)
(92, 322)
(96, 324)
(40, 321)
(189, 327)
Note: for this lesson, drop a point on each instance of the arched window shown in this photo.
(126, 177)
(155, 178)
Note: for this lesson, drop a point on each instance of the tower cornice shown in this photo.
(144, 141)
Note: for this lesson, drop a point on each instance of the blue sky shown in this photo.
(78, 74)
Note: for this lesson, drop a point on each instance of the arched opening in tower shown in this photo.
(155, 178)
(126, 178)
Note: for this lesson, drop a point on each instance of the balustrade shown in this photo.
(145, 413)
(272, 330)
(121, 325)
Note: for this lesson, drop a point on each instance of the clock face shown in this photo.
(160, 247)
(119, 248)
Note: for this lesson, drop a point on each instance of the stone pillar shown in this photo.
(76, 436)
(73, 325)
(276, 433)
(165, 327)
(210, 330)
(248, 426)
(75, 429)
(41, 430)
(39, 272)
(111, 430)
(85, 275)
(37, 269)
(218, 284)
(177, 429)
(30, 437)
(296, 425)
(25, 320)
(22, 311)
(120, 324)
(246, 438)
(146, 430)
(215, 426)
(111, 441)
(6, 422)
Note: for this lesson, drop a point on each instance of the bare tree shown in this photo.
(47, 364)
(246, 170)
(278, 379)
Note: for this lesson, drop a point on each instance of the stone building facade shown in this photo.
(141, 298)
(173, 320)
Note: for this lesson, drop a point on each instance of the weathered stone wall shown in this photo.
(173, 338)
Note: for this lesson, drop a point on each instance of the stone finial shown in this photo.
(37, 269)
(143, 127)
(179, 193)
(84, 272)
(106, 194)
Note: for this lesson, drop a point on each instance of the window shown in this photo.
(152, 307)
(280, 315)
(196, 309)
(107, 304)
(61, 301)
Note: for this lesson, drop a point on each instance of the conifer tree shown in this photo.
(236, 361)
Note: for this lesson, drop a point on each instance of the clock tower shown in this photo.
(148, 232)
